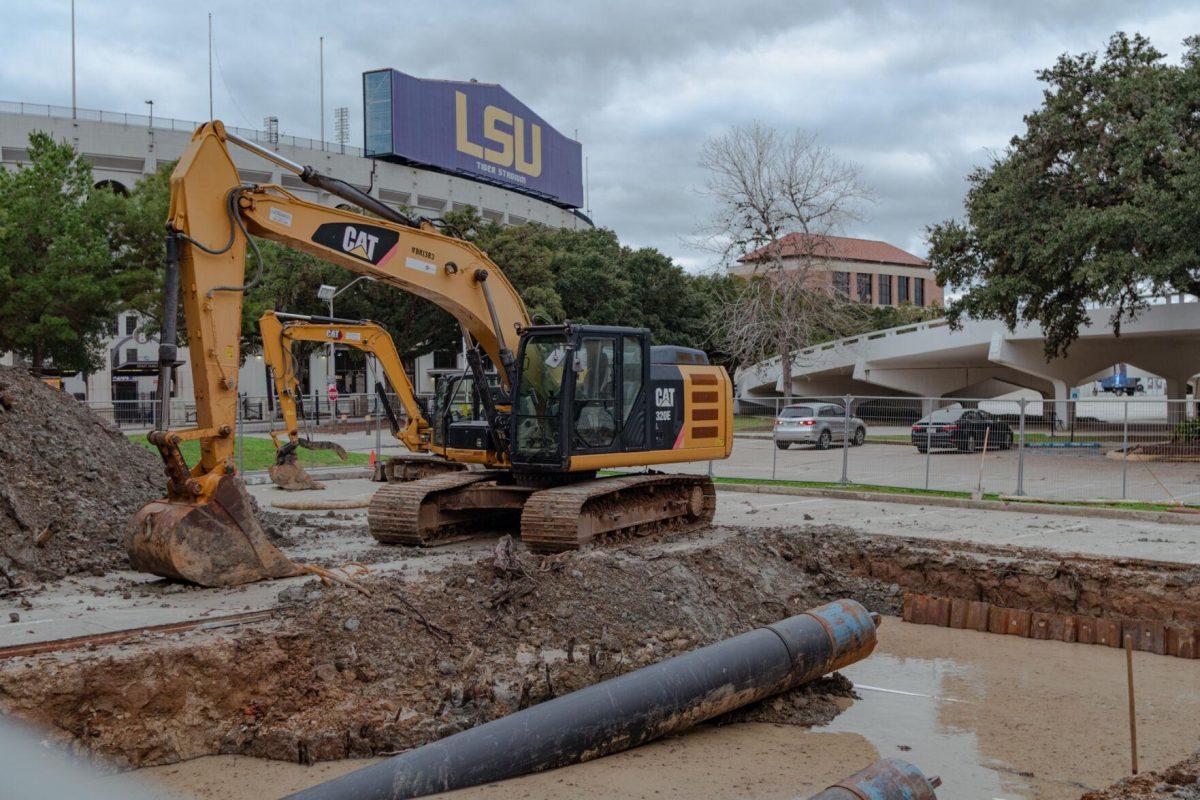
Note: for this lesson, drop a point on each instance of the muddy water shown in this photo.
(996, 717)
(1005, 717)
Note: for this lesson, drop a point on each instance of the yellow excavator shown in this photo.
(280, 331)
(570, 400)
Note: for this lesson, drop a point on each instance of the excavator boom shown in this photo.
(568, 400)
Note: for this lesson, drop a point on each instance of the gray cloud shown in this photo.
(916, 93)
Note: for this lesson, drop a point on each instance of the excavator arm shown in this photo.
(280, 331)
(204, 530)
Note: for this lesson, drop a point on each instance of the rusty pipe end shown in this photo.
(876, 619)
(935, 781)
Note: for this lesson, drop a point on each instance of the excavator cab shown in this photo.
(456, 412)
(581, 391)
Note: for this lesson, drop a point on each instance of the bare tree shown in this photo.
(768, 186)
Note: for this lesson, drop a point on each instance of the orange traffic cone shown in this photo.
(372, 458)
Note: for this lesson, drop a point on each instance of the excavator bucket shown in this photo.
(286, 472)
(218, 543)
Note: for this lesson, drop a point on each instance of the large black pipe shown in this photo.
(889, 779)
(623, 712)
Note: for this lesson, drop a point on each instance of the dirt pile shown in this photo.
(338, 674)
(1180, 781)
(69, 482)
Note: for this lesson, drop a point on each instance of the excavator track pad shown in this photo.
(440, 509)
(218, 543)
(448, 507)
(645, 504)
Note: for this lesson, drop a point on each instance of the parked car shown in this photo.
(819, 424)
(961, 429)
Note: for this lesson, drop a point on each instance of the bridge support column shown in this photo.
(1177, 395)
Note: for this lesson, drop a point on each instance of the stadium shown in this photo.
(432, 146)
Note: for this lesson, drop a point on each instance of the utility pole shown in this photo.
(323, 95)
(74, 110)
(210, 95)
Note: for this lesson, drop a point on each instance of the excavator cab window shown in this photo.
(580, 391)
(538, 406)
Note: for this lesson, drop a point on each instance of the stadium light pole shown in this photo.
(74, 111)
(151, 104)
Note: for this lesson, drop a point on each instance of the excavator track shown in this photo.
(570, 516)
(414, 512)
(400, 469)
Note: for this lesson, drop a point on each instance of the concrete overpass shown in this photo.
(984, 359)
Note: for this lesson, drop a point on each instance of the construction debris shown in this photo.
(427, 658)
(69, 482)
(1178, 782)
(624, 712)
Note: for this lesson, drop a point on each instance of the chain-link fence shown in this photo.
(359, 423)
(1135, 449)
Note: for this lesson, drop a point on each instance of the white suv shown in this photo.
(815, 423)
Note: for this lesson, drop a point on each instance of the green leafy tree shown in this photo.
(139, 235)
(1095, 203)
(60, 283)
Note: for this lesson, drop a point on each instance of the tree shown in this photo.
(60, 283)
(777, 197)
(139, 234)
(1095, 203)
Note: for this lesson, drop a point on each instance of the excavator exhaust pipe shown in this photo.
(218, 543)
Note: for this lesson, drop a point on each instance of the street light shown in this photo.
(151, 104)
(327, 293)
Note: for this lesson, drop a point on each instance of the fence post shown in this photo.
(241, 446)
(774, 455)
(846, 440)
(928, 445)
(1021, 451)
(1125, 446)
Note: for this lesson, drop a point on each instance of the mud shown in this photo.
(337, 674)
(69, 482)
(341, 675)
(1180, 780)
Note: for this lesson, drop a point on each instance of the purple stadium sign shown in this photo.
(476, 129)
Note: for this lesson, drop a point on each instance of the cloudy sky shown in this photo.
(915, 93)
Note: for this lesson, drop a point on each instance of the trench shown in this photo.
(336, 675)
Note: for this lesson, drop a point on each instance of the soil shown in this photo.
(339, 674)
(1180, 781)
(69, 482)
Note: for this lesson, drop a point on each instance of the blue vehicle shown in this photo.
(1122, 384)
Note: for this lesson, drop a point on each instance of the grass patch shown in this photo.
(742, 424)
(260, 454)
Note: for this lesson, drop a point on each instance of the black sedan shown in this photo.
(961, 429)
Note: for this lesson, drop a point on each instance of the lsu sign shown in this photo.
(475, 129)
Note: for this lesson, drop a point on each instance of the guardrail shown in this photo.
(169, 124)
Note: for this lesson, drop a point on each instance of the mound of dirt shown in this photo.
(69, 482)
(338, 674)
(1181, 781)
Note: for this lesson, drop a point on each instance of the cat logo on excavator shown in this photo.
(369, 243)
